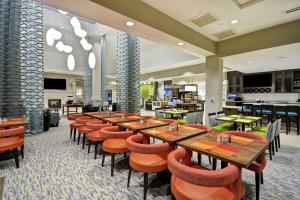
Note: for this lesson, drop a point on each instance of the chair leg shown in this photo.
(276, 143)
(273, 148)
(145, 185)
(16, 154)
(79, 135)
(270, 150)
(286, 125)
(129, 175)
(89, 146)
(214, 164)
(22, 151)
(297, 126)
(262, 178)
(83, 140)
(74, 135)
(257, 184)
(96, 151)
(199, 158)
(103, 158)
(278, 137)
(112, 164)
(209, 159)
(71, 131)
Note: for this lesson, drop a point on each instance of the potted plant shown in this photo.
(47, 116)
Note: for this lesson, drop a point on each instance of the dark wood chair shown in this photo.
(247, 109)
(292, 115)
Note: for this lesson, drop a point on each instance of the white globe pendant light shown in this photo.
(71, 62)
(92, 60)
(85, 45)
(80, 32)
(60, 46)
(52, 35)
(68, 49)
(75, 22)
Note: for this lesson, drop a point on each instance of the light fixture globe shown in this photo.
(67, 49)
(75, 22)
(80, 32)
(62, 12)
(52, 35)
(60, 46)
(92, 60)
(85, 45)
(71, 62)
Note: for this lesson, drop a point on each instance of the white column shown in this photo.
(213, 85)
(96, 85)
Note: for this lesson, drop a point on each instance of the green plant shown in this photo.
(147, 91)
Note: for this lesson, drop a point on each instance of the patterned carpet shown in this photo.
(56, 168)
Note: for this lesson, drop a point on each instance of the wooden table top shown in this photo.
(241, 151)
(14, 122)
(165, 134)
(102, 116)
(137, 126)
(239, 119)
(115, 120)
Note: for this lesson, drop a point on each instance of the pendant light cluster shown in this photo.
(54, 35)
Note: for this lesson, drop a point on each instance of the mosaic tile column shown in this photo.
(87, 84)
(103, 67)
(32, 63)
(128, 72)
(11, 103)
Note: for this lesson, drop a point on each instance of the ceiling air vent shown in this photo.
(204, 20)
(245, 3)
(291, 10)
(224, 34)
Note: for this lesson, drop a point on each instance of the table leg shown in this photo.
(243, 127)
(63, 110)
(67, 110)
(234, 126)
(214, 164)
(223, 164)
(76, 109)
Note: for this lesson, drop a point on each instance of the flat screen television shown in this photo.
(168, 92)
(257, 80)
(54, 84)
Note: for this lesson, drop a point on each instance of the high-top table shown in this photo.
(238, 119)
(68, 106)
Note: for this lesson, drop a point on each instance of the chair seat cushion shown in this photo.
(282, 113)
(10, 143)
(114, 145)
(247, 110)
(75, 125)
(186, 191)
(257, 167)
(148, 162)
(84, 130)
(95, 136)
(265, 112)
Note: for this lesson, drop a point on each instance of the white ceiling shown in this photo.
(263, 14)
(272, 59)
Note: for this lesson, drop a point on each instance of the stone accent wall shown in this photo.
(103, 68)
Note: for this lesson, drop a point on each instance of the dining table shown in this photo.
(240, 119)
(240, 151)
(167, 134)
(124, 118)
(175, 112)
(106, 115)
(137, 126)
(12, 122)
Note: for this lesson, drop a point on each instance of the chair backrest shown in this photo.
(212, 119)
(269, 131)
(221, 114)
(294, 109)
(278, 127)
(267, 107)
(158, 113)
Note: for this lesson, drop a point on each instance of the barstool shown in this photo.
(292, 112)
(265, 110)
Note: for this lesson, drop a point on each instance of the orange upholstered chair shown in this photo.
(114, 143)
(79, 122)
(146, 158)
(190, 182)
(259, 164)
(11, 140)
(94, 136)
(74, 126)
(84, 130)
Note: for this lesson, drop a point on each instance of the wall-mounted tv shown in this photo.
(168, 92)
(257, 80)
(54, 84)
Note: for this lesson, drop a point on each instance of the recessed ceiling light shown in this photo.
(180, 43)
(61, 27)
(234, 21)
(129, 23)
(281, 57)
(250, 62)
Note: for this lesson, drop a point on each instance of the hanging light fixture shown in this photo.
(75, 22)
(68, 49)
(62, 12)
(71, 62)
(52, 35)
(60, 46)
(85, 45)
(80, 32)
(92, 60)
